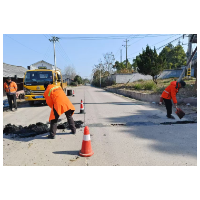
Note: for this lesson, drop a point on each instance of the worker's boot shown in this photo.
(170, 117)
(53, 128)
(51, 136)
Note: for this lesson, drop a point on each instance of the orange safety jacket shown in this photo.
(57, 99)
(10, 88)
(171, 91)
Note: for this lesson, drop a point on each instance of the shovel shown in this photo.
(180, 113)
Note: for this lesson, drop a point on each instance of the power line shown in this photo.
(47, 53)
(23, 44)
(138, 40)
(62, 54)
(169, 43)
(61, 50)
(108, 37)
(157, 43)
(65, 53)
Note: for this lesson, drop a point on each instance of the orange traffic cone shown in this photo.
(86, 150)
(73, 93)
(82, 108)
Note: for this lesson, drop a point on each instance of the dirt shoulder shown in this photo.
(149, 87)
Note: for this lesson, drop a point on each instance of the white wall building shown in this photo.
(42, 63)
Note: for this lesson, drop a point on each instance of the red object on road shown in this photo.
(73, 93)
(180, 113)
(86, 150)
(81, 108)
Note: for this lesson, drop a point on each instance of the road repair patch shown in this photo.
(34, 129)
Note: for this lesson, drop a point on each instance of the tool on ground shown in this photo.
(86, 150)
(81, 108)
(73, 93)
(180, 113)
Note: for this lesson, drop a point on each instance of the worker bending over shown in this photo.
(170, 93)
(59, 104)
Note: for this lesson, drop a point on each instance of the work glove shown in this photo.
(160, 103)
(175, 105)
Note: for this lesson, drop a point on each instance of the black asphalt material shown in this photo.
(34, 129)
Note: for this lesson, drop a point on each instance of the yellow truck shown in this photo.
(34, 80)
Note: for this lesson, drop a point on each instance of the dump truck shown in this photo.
(33, 83)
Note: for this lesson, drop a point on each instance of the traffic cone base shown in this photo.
(86, 155)
(86, 150)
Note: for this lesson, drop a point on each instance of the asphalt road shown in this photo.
(124, 132)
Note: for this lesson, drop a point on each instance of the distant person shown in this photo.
(11, 89)
(170, 93)
(59, 104)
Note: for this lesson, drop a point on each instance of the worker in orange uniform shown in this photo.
(170, 93)
(59, 104)
(10, 89)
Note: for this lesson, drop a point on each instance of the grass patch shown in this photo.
(148, 86)
(138, 86)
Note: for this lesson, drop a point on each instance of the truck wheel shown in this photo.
(31, 103)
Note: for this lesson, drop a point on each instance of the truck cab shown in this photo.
(34, 80)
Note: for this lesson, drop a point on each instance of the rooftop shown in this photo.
(12, 70)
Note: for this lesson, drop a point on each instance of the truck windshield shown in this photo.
(38, 77)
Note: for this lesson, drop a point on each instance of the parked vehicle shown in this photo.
(34, 80)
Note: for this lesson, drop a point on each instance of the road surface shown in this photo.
(124, 132)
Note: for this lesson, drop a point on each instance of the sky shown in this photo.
(73, 50)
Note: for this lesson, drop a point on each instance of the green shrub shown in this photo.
(140, 80)
(158, 90)
(74, 83)
(138, 86)
(149, 85)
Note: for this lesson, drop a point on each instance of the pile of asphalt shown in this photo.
(34, 129)
(26, 131)
(65, 125)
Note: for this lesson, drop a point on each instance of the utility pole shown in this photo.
(120, 55)
(189, 53)
(126, 53)
(100, 73)
(54, 40)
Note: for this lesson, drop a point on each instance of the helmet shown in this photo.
(182, 84)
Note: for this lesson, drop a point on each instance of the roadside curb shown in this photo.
(149, 97)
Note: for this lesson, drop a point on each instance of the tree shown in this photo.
(134, 65)
(70, 72)
(86, 80)
(78, 79)
(150, 63)
(175, 56)
(108, 62)
(121, 67)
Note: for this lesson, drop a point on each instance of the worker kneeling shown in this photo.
(57, 100)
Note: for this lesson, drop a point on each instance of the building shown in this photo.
(67, 79)
(16, 73)
(42, 63)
